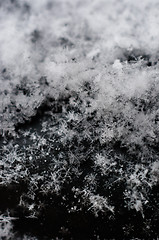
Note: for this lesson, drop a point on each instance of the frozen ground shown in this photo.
(79, 119)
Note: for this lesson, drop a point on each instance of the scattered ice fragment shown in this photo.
(117, 65)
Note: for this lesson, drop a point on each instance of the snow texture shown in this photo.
(79, 116)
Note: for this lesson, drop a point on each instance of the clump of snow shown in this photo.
(41, 39)
(6, 228)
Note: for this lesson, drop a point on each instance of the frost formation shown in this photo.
(79, 119)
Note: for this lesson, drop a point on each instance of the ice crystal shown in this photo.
(79, 118)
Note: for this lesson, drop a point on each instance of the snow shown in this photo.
(79, 102)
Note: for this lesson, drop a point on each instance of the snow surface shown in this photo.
(79, 106)
(40, 38)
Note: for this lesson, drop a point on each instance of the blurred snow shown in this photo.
(41, 37)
